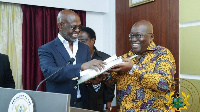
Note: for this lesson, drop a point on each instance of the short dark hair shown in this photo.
(90, 32)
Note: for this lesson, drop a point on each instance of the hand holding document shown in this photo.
(91, 73)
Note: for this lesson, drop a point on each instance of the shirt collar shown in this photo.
(64, 41)
(152, 46)
(96, 53)
(66, 45)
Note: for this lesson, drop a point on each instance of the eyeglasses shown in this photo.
(83, 40)
(137, 36)
(73, 27)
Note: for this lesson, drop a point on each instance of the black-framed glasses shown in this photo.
(83, 40)
(137, 35)
(73, 27)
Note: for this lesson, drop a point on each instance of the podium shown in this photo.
(42, 101)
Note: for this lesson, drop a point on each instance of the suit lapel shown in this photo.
(60, 47)
(79, 54)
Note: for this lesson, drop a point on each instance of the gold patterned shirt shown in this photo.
(152, 79)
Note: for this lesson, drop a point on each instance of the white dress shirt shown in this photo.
(71, 54)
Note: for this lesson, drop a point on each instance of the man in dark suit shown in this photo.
(57, 53)
(6, 78)
(100, 93)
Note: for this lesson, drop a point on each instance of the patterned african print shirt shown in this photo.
(152, 79)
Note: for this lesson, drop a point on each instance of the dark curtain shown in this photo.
(39, 27)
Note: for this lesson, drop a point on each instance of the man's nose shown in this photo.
(77, 29)
(134, 38)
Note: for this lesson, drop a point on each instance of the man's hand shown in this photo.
(93, 64)
(96, 80)
(124, 67)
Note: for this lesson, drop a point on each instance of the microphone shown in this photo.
(71, 60)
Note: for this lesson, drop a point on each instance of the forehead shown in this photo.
(139, 29)
(83, 35)
(72, 19)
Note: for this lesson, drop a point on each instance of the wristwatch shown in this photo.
(109, 108)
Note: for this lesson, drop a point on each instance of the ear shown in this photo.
(59, 26)
(152, 37)
(93, 40)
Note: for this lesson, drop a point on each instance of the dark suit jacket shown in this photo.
(53, 56)
(6, 78)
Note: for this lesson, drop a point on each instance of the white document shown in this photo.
(91, 73)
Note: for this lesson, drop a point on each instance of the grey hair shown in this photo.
(59, 17)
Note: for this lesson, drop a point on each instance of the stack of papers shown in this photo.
(91, 73)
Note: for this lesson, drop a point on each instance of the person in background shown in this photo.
(57, 53)
(100, 94)
(143, 81)
(6, 78)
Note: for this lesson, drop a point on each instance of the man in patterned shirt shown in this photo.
(143, 82)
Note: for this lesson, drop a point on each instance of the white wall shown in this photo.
(104, 26)
(87, 5)
(185, 25)
(100, 15)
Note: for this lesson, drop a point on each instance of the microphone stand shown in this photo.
(71, 60)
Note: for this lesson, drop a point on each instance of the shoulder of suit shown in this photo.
(82, 45)
(53, 42)
(3, 57)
